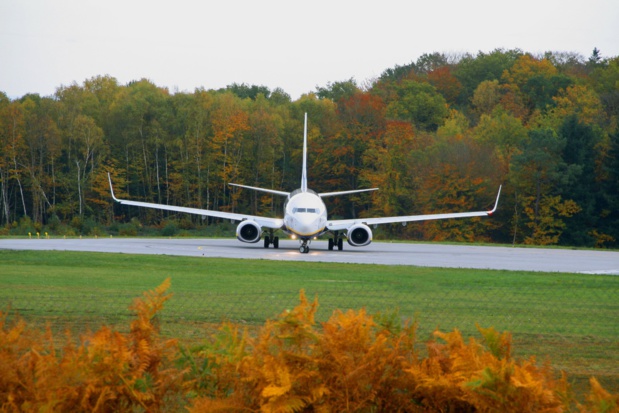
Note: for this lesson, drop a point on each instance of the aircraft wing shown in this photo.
(266, 222)
(342, 224)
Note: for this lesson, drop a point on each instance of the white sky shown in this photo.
(295, 45)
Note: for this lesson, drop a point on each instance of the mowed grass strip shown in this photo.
(209, 289)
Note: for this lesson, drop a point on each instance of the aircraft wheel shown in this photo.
(331, 243)
(340, 244)
(276, 242)
(267, 241)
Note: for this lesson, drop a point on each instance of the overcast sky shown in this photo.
(295, 45)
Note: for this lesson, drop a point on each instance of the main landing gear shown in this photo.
(336, 240)
(271, 240)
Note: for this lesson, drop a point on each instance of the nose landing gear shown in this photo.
(304, 248)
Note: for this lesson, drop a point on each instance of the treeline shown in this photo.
(439, 134)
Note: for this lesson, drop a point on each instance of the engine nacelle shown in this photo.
(248, 231)
(359, 235)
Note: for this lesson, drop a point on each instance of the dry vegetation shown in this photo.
(353, 362)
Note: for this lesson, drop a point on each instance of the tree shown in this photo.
(397, 73)
(230, 122)
(503, 132)
(140, 112)
(245, 91)
(279, 97)
(447, 189)
(544, 222)
(445, 83)
(568, 63)
(577, 101)
(388, 166)
(337, 91)
(418, 103)
(595, 60)
(87, 139)
(531, 84)
(42, 139)
(472, 70)
(605, 81)
(608, 227)
(428, 63)
(456, 125)
(582, 184)
(12, 130)
(486, 97)
(265, 151)
(536, 173)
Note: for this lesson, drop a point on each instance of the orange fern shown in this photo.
(108, 371)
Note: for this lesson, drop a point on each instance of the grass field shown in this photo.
(571, 318)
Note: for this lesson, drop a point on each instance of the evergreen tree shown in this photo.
(581, 186)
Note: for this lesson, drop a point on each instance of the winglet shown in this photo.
(304, 172)
(496, 204)
(109, 178)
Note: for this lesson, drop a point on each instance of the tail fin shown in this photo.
(304, 172)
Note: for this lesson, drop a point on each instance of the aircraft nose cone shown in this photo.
(308, 225)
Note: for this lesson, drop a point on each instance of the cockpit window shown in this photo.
(305, 210)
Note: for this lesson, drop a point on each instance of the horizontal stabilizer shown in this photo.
(354, 191)
(255, 188)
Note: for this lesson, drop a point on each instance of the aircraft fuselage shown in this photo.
(305, 214)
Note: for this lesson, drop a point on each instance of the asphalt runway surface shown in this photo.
(417, 254)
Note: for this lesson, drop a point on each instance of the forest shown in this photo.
(437, 135)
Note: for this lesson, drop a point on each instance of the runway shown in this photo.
(384, 253)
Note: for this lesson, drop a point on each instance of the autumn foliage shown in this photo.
(354, 362)
(437, 135)
(107, 372)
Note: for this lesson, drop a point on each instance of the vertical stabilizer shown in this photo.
(304, 172)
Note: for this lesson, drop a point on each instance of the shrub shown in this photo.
(128, 230)
(107, 372)
(54, 222)
(352, 363)
(170, 229)
(24, 226)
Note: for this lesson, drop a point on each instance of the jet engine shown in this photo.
(248, 231)
(359, 235)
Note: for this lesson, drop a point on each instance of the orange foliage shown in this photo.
(356, 364)
(448, 189)
(545, 220)
(526, 67)
(107, 372)
(446, 83)
(581, 101)
(351, 363)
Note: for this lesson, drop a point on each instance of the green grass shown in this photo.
(570, 317)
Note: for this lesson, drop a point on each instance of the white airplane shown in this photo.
(305, 216)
